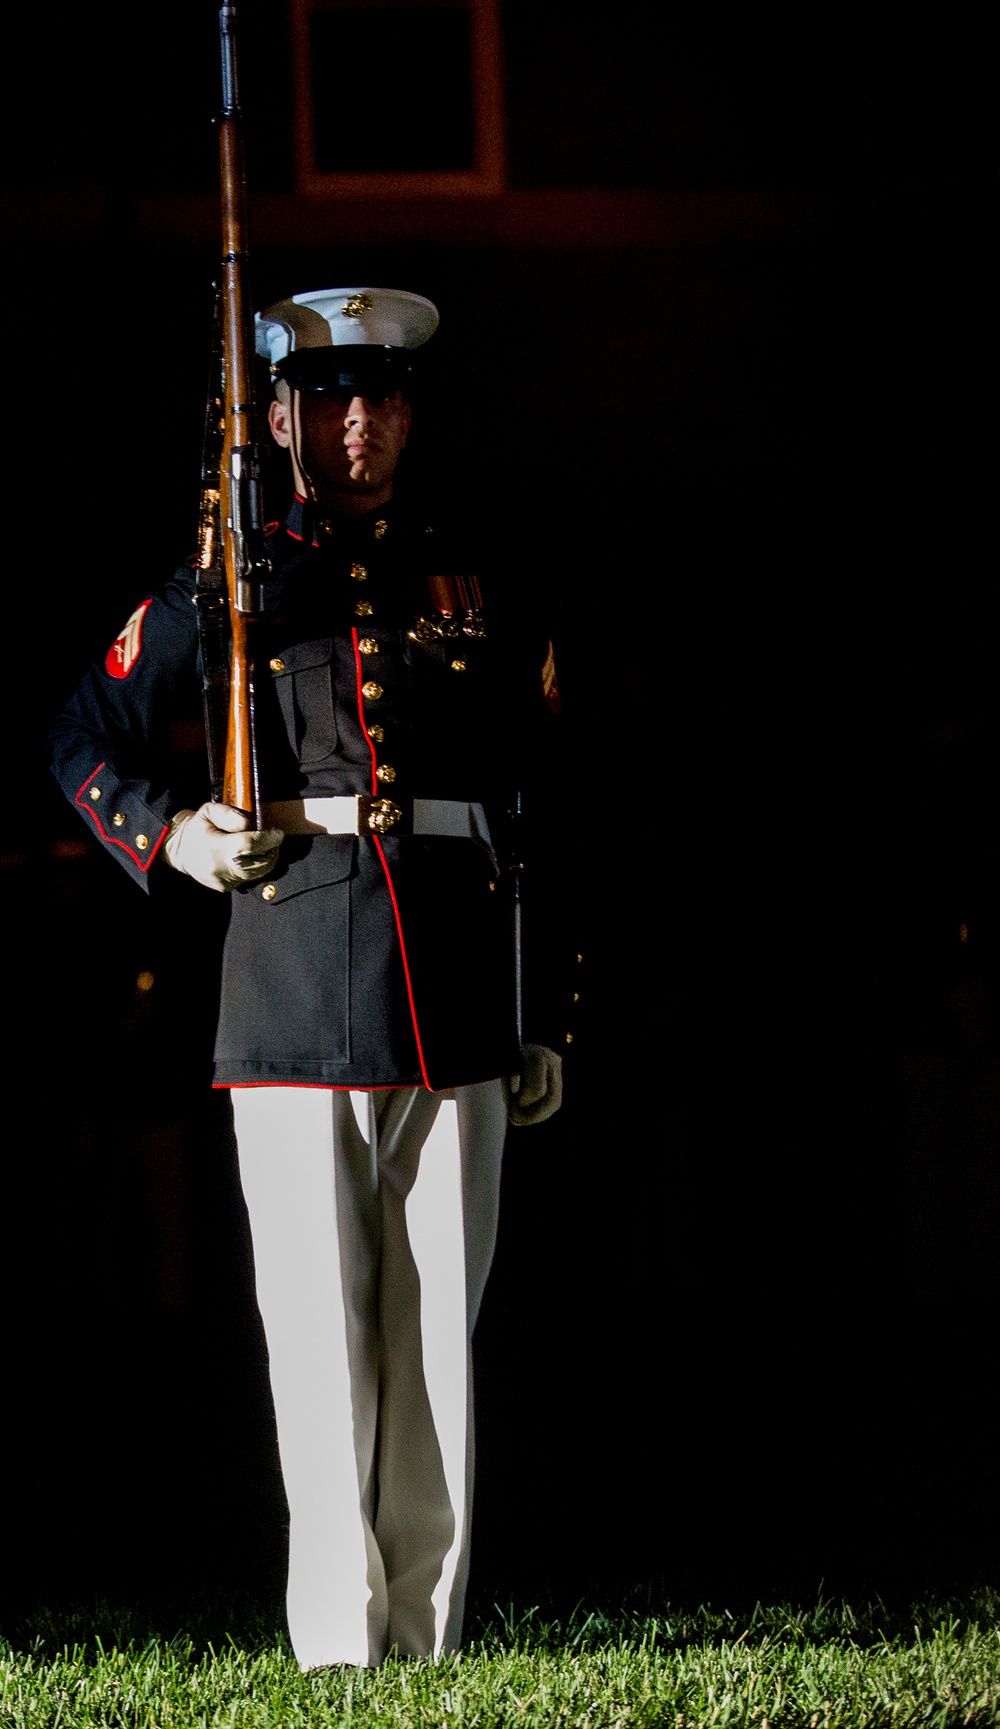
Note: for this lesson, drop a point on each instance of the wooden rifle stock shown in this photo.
(240, 508)
(210, 591)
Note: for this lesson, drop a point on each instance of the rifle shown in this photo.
(210, 593)
(231, 508)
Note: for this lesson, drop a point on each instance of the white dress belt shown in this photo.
(339, 815)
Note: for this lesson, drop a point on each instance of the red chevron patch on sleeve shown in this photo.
(124, 651)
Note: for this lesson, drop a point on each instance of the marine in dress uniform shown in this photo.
(368, 1028)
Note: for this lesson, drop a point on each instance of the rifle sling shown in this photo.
(213, 641)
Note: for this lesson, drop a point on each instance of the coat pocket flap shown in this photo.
(300, 656)
(307, 862)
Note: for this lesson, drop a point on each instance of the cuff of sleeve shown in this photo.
(123, 821)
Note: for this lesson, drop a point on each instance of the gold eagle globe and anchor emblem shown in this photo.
(383, 815)
(357, 306)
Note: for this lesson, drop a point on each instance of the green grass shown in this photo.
(830, 1665)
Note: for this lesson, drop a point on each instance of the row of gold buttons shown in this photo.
(386, 814)
(372, 691)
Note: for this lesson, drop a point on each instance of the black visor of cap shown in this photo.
(359, 368)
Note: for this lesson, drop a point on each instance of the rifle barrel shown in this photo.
(227, 42)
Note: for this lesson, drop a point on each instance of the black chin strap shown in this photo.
(307, 480)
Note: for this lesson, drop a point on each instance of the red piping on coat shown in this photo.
(112, 840)
(385, 867)
(406, 964)
(350, 1087)
(319, 1086)
(361, 712)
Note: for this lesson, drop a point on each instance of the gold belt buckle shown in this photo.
(377, 815)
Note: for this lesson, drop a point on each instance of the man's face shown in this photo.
(346, 447)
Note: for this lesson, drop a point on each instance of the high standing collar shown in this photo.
(300, 522)
(304, 519)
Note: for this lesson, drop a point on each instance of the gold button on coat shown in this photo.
(95, 793)
(458, 666)
(118, 818)
(386, 772)
(377, 733)
(363, 609)
(371, 690)
(380, 528)
(359, 573)
(142, 841)
(277, 665)
(368, 645)
(268, 892)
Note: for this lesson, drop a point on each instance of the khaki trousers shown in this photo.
(373, 1218)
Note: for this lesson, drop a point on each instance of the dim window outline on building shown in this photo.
(488, 173)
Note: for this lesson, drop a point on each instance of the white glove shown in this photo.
(536, 1093)
(213, 845)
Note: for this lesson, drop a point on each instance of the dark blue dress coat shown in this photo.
(360, 961)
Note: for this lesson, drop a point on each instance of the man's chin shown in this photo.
(335, 493)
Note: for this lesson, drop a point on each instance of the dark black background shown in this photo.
(738, 1338)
